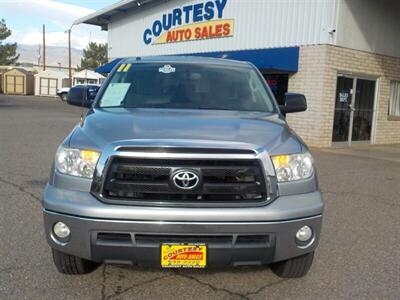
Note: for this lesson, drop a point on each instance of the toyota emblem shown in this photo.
(185, 179)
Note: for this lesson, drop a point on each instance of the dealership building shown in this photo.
(344, 55)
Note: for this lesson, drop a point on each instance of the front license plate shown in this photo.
(183, 255)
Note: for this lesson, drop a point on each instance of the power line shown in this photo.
(39, 30)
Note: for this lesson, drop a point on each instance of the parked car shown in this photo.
(79, 92)
(184, 162)
(63, 93)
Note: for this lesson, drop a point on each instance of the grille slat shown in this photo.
(142, 187)
(159, 187)
(133, 180)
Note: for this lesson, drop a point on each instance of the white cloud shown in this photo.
(61, 12)
(58, 16)
(79, 37)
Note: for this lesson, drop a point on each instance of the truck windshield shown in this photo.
(186, 86)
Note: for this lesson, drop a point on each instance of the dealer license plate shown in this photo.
(183, 255)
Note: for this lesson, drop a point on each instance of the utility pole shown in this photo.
(44, 47)
(69, 58)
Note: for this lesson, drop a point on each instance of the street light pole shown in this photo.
(44, 48)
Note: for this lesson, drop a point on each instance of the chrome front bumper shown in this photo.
(229, 243)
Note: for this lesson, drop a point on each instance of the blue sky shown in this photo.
(25, 19)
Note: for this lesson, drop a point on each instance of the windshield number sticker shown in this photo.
(124, 68)
(166, 69)
(128, 66)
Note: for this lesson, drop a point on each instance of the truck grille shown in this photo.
(148, 181)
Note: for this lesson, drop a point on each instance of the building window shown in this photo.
(65, 82)
(394, 104)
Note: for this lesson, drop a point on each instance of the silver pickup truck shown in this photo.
(184, 162)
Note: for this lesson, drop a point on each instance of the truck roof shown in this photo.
(168, 59)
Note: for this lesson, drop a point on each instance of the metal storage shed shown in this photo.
(47, 82)
(18, 81)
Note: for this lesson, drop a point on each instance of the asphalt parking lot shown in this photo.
(358, 256)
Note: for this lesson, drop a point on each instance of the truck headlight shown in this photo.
(293, 167)
(76, 162)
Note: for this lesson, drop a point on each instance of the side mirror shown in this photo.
(91, 95)
(293, 103)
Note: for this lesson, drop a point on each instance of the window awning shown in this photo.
(280, 60)
(271, 59)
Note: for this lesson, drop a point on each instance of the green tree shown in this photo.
(94, 56)
(8, 52)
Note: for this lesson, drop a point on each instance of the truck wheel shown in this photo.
(64, 96)
(294, 267)
(72, 265)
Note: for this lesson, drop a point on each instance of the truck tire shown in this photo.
(72, 265)
(294, 267)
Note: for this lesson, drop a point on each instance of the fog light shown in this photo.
(304, 234)
(61, 230)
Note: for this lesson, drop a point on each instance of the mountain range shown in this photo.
(54, 55)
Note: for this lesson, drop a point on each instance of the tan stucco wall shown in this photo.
(316, 78)
(30, 85)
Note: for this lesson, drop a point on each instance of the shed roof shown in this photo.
(21, 70)
(88, 74)
(51, 73)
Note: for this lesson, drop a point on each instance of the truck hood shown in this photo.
(227, 129)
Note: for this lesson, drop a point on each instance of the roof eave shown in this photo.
(103, 16)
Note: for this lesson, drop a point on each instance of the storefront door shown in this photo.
(354, 110)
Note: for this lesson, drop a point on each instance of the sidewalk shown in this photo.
(389, 152)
